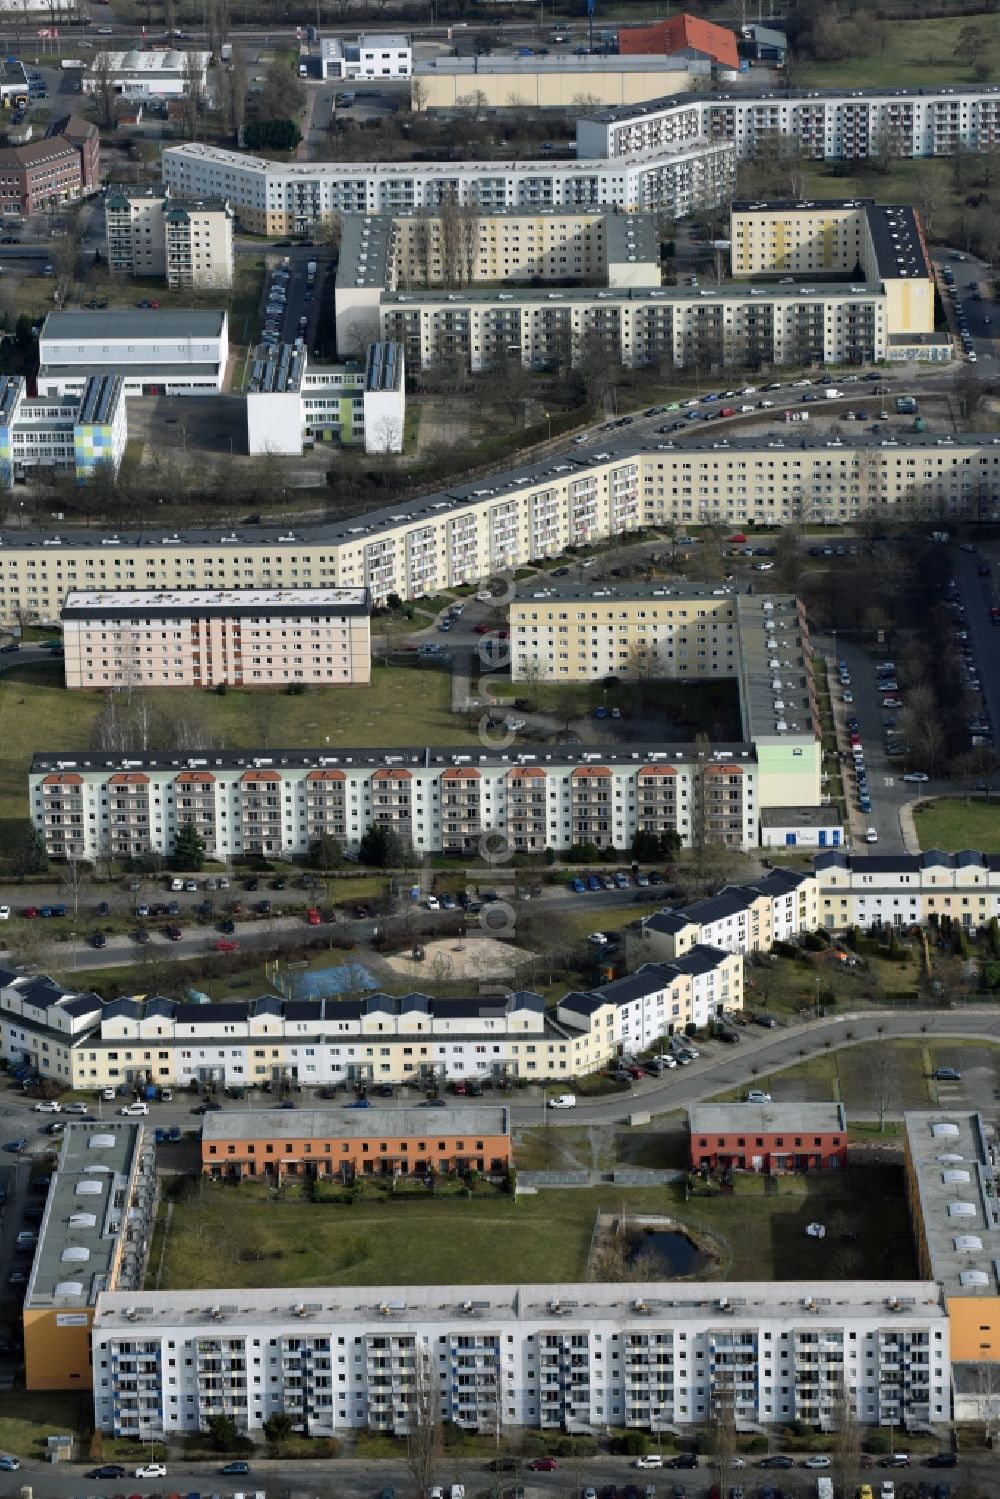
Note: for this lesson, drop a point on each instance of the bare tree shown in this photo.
(103, 89)
(194, 92)
(74, 876)
(423, 1421)
(722, 1432)
(234, 91)
(418, 95)
(987, 1397)
(846, 1441)
(882, 1079)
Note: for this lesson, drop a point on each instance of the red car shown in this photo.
(543, 1465)
(226, 946)
(483, 628)
(313, 917)
(30, 912)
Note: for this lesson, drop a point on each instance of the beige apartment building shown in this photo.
(908, 889)
(581, 632)
(150, 233)
(445, 288)
(233, 637)
(505, 519)
(612, 248)
(880, 243)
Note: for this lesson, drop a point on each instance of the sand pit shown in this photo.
(462, 958)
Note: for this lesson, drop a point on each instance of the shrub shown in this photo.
(876, 1442)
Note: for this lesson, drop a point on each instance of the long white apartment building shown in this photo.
(282, 198)
(823, 125)
(908, 889)
(277, 803)
(558, 1357)
(503, 520)
(242, 637)
(83, 1041)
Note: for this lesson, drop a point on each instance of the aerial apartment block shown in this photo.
(151, 233)
(819, 124)
(276, 803)
(282, 198)
(548, 1358)
(237, 637)
(82, 1041)
(502, 521)
(907, 889)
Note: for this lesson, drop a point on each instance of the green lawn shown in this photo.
(238, 1237)
(28, 1418)
(950, 823)
(401, 707)
(915, 53)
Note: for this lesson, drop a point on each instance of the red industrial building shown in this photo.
(768, 1137)
(681, 36)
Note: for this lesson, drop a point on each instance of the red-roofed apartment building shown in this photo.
(682, 36)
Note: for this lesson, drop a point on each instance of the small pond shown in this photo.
(673, 1254)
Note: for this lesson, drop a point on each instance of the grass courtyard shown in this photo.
(951, 823)
(239, 1237)
(917, 52)
(403, 706)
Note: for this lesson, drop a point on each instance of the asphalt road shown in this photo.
(365, 1480)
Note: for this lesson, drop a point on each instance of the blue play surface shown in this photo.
(321, 982)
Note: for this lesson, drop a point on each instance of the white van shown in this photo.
(872, 835)
(564, 1101)
(134, 1110)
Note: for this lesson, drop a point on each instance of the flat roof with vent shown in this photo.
(87, 1212)
(950, 1181)
(156, 1312)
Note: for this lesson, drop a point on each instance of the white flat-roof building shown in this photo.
(245, 637)
(69, 433)
(156, 352)
(375, 55)
(290, 403)
(645, 1356)
(150, 75)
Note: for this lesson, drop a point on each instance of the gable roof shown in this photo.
(682, 33)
